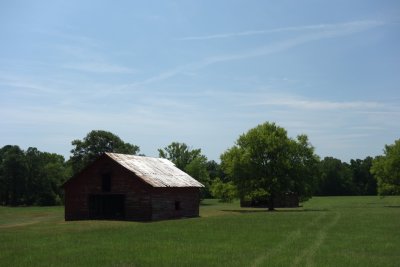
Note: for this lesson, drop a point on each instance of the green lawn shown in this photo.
(326, 231)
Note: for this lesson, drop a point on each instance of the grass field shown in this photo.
(326, 231)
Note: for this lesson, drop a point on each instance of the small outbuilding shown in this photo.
(127, 187)
(285, 200)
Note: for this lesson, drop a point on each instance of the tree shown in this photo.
(54, 172)
(340, 178)
(31, 177)
(266, 160)
(363, 180)
(386, 169)
(34, 162)
(188, 160)
(335, 179)
(225, 192)
(303, 167)
(96, 143)
(180, 154)
(13, 173)
(215, 171)
(197, 168)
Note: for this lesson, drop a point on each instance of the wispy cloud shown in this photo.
(69, 38)
(320, 27)
(317, 32)
(317, 104)
(99, 67)
(31, 85)
(82, 53)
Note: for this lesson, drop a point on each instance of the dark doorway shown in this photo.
(107, 207)
(106, 182)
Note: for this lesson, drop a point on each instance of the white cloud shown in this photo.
(32, 86)
(83, 53)
(356, 25)
(80, 40)
(319, 32)
(99, 67)
(316, 104)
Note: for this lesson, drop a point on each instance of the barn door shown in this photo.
(107, 206)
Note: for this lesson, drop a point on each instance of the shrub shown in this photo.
(225, 192)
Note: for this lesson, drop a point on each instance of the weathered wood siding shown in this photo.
(89, 182)
(169, 203)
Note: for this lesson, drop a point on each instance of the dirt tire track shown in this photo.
(293, 236)
(309, 253)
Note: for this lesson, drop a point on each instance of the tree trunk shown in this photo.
(271, 206)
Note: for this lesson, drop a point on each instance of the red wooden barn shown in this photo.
(127, 187)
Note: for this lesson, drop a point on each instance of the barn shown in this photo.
(127, 187)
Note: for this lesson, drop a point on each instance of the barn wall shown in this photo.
(169, 203)
(77, 191)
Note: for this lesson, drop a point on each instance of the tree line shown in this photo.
(263, 163)
(31, 177)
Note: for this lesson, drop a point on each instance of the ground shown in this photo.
(326, 231)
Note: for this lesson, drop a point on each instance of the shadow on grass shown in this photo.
(207, 204)
(245, 211)
(278, 211)
(392, 207)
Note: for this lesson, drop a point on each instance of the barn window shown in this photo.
(106, 182)
(177, 205)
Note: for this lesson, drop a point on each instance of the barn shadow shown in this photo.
(206, 204)
(245, 211)
(277, 210)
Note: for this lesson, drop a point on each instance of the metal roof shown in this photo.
(158, 172)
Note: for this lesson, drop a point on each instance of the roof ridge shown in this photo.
(133, 155)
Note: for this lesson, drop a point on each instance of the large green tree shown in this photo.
(265, 160)
(386, 169)
(96, 143)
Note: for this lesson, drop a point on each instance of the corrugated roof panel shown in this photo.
(157, 172)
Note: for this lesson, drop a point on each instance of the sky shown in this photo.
(200, 72)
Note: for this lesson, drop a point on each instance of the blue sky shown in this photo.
(200, 72)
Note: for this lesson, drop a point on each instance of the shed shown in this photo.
(285, 200)
(128, 187)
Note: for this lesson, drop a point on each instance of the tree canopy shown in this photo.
(335, 178)
(31, 177)
(180, 154)
(363, 180)
(386, 169)
(225, 192)
(265, 160)
(339, 178)
(96, 143)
